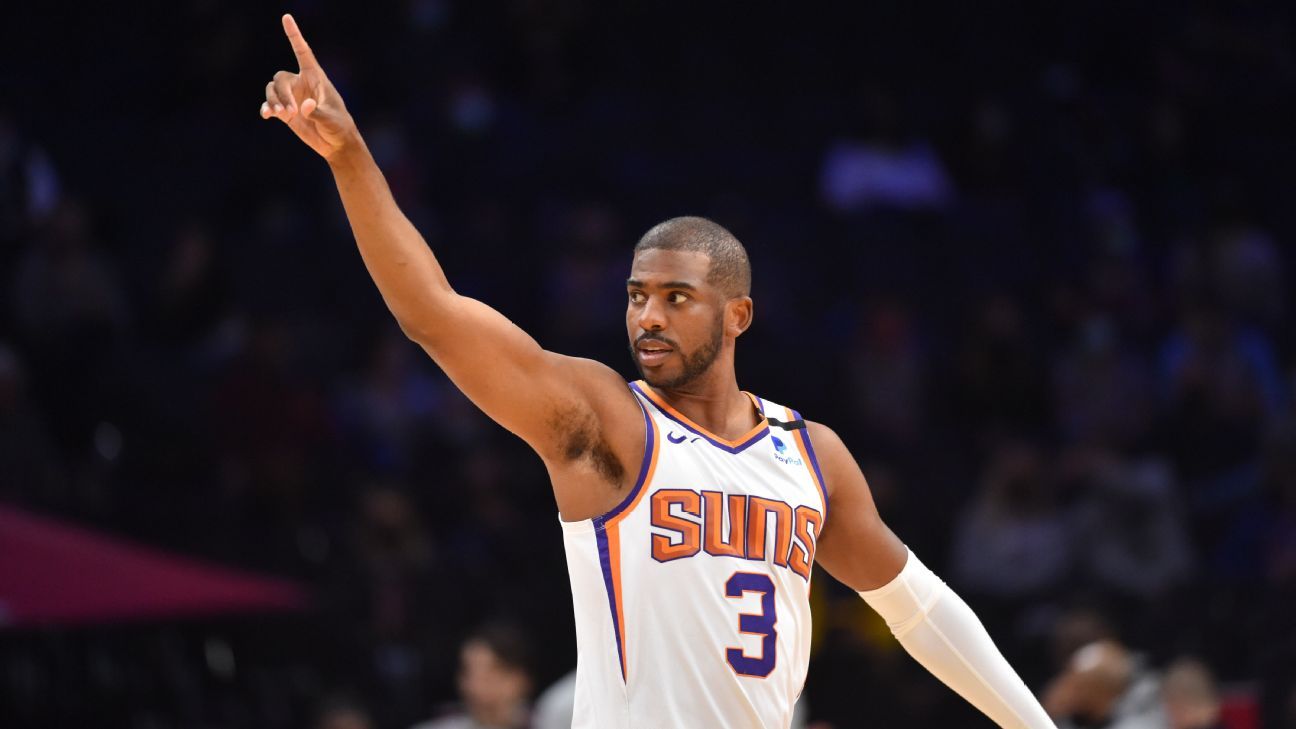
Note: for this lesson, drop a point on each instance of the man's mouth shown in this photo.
(652, 352)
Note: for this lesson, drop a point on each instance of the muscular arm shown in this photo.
(530, 391)
(856, 547)
(560, 405)
(936, 627)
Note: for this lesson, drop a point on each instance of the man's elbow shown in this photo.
(414, 331)
(426, 326)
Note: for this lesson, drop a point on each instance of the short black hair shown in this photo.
(730, 268)
(508, 642)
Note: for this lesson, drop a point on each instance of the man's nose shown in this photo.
(652, 317)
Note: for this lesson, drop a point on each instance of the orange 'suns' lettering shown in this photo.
(808, 522)
(689, 532)
(732, 545)
(758, 511)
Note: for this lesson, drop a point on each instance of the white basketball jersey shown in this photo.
(692, 595)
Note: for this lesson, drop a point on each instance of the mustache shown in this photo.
(649, 336)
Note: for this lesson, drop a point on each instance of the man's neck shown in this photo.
(718, 406)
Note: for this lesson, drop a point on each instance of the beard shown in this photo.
(696, 362)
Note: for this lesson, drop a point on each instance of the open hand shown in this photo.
(307, 102)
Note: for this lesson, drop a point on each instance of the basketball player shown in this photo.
(692, 512)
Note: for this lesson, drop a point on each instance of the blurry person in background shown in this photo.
(1222, 383)
(1278, 532)
(390, 409)
(390, 616)
(1132, 532)
(192, 291)
(556, 705)
(67, 288)
(1074, 629)
(29, 187)
(1104, 686)
(1192, 699)
(494, 681)
(343, 713)
(1102, 390)
(1014, 520)
(888, 377)
(999, 381)
(72, 318)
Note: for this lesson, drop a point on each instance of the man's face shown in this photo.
(675, 319)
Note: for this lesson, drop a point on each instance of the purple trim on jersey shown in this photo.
(814, 461)
(600, 527)
(606, 563)
(727, 448)
(650, 439)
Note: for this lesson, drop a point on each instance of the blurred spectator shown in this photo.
(494, 681)
(387, 596)
(390, 412)
(1221, 382)
(1132, 537)
(888, 375)
(1015, 519)
(29, 186)
(191, 289)
(1102, 392)
(1074, 629)
(66, 290)
(583, 282)
(999, 377)
(1241, 265)
(556, 705)
(1278, 530)
(1104, 686)
(271, 428)
(1191, 697)
(343, 714)
(72, 317)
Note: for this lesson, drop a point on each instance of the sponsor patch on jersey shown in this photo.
(781, 453)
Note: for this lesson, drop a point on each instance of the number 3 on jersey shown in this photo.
(761, 624)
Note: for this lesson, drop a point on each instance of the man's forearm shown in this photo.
(940, 631)
(400, 262)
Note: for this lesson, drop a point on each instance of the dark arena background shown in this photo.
(1033, 261)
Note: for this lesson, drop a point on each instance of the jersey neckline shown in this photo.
(732, 446)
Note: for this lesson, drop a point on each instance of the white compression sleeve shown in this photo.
(941, 632)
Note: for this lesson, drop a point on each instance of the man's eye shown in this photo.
(678, 298)
(636, 297)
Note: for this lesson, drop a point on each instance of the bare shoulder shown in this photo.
(856, 546)
(831, 452)
(604, 393)
(825, 438)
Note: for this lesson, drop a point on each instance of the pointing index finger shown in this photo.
(305, 59)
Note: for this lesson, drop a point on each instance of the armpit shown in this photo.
(581, 438)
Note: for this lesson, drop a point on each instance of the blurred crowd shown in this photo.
(1035, 268)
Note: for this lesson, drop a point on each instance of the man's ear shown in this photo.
(738, 315)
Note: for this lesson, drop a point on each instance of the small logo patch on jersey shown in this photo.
(780, 453)
(680, 438)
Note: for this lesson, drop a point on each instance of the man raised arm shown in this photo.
(577, 414)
